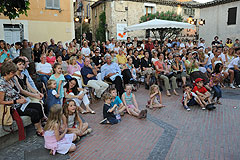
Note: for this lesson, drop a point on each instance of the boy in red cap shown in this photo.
(201, 91)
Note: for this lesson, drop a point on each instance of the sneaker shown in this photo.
(232, 86)
(187, 108)
(144, 113)
(104, 121)
(141, 114)
(203, 108)
(238, 86)
(122, 113)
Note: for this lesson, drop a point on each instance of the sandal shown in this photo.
(84, 112)
(89, 130)
(175, 92)
(51, 152)
(218, 102)
(40, 134)
(92, 112)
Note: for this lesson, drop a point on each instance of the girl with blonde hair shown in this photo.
(155, 97)
(55, 136)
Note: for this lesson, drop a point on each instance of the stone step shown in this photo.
(7, 138)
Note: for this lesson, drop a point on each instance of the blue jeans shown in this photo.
(217, 91)
(44, 78)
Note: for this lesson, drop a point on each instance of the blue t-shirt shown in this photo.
(60, 78)
(117, 101)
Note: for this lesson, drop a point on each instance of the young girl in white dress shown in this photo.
(55, 136)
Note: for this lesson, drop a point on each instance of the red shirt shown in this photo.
(201, 90)
(149, 47)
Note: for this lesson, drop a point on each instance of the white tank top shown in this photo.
(71, 121)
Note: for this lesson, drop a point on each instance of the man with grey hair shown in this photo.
(112, 73)
(89, 78)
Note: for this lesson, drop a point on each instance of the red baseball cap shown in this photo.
(198, 80)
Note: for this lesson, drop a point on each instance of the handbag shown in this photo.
(170, 75)
(5, 115)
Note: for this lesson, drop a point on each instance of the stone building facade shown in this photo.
(129, 13)
(220, 21)
(46, 19)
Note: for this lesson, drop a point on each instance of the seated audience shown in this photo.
(44, 69)
(112, 73)
(163, 72)
(79, 95)
(89, 78)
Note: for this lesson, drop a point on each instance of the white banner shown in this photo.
(121, 35)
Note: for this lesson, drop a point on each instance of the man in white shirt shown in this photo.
(44, 69)
(235, 66)
(202, 44)
(112, 45)
(15, 50)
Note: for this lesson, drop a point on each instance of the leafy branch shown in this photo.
(13, 8)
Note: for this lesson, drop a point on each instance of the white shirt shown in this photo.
(223, 57)
(45, 68)
(182, 45)
(111, 46)
(86, 51)
(210, 58)
(14, 52)
(234, 62)
(209, 61)
(202, 45)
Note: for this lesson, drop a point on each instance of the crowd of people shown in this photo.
(51, 82)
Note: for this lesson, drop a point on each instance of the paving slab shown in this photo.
(167, 133)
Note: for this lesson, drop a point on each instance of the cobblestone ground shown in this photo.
(167, 133)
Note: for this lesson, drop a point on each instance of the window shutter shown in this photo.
(232, 15)
(56, 3)
(49, 3)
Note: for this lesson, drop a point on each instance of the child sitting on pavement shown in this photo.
(190, 98)
(108, 111)
(72, 120)
(216, 78)
(155, 97)
(130, 102)
(202, 92)
(116, 100)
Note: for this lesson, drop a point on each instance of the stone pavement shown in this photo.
(167, 133)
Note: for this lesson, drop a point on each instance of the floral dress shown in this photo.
(10, 91)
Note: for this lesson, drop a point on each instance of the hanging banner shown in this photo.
(121, 35)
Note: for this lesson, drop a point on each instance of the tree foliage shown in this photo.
(164, 32)
(169, 15)
(101, 30)
(13, 8)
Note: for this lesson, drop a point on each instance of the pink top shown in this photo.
(72, 69)
(51, 60)
(62, 146)
(50, 141)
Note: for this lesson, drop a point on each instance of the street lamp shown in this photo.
(79, 18)
(76, 19)
(193, 21)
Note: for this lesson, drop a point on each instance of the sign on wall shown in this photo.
(121, 35)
